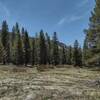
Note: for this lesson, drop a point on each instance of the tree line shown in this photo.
(18, 48)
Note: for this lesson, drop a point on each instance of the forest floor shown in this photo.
(54, 84)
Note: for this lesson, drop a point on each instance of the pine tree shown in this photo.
(43, 49)
(33, 51)
(37, 49)
(64, 56)
(93, 33)
(69, 55)
(85, 51)
(77, 54)
(5, 43)
(80, 57)
(23, 40)
(12, 45)
(55, 55)
(48, 45)
(19, 49)
(13, 36)
(1, 53)
(22, 36)
(27, 49)
(23, 32)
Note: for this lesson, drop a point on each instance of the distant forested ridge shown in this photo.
(18, 48)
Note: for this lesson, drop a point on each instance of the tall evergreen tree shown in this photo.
(85, 51)
(77, 54)
(69, 55)
(64, 56)
(94, 28)
(13, 36)
(43, 49)
(80, 57)
(37, 50)
(55, 55)
(5, 43)
(48, 45)
(33, 51)
(1, 53)
(93, 32)
(19, 49)
(12, 45)
(22, 36)
(27, 49)
(23, 32)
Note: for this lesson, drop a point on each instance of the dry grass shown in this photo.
(55, 84)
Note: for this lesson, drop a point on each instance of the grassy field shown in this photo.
(54, 84)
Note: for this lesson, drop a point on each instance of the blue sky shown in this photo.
(67, 17)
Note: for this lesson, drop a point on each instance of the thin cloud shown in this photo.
(63, 20)
(74, 18)
(69, 19)
(4, 9)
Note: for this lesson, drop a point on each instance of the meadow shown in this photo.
(67, 83)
